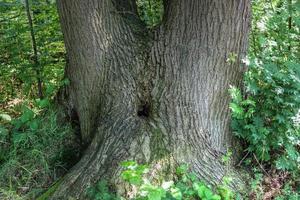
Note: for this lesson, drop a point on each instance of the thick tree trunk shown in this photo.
(151, 97)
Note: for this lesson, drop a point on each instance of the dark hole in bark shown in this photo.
(76, 127)
(144, 110)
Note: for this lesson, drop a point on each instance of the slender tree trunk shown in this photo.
(153, 97)
(34, 48)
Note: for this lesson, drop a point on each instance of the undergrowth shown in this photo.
(266, 115)
(186, 185)
(36, 149)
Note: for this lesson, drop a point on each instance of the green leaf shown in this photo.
(66, 81)
(176, 193)
(43, 103)
(216, 197)
(248, 102)
(235, 94)
(282, 163)
(200, 188)
(208, 193)
(225, 193)
(33, 125)
(131, 177)
(157, 194)
(5, 117)
(50, 89)
(3, 132)
(166, 185)
(236, 109)
(182, 169)
(292, 152)
(27, 115)
(128, 163)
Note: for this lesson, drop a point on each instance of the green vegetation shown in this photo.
(265, 115)
(36, 149)
(150, 11)
(38, 145)
(17, 67)
(144, 187)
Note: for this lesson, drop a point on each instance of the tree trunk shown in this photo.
(151, 96)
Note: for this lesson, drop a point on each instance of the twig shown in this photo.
(243, 159)
(10, 18)
(34, 47)
(261, 166)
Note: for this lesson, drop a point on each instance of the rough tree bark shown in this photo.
(151, 95)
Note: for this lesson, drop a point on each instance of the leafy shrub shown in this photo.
(262, 116)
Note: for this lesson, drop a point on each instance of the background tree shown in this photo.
(34, 48)
(151, 95)
(17, 69)
(34, 145)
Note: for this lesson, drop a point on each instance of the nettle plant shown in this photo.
(264, 118)
(263, 115)
(186, 186)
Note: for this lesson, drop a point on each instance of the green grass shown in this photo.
(34, 152)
